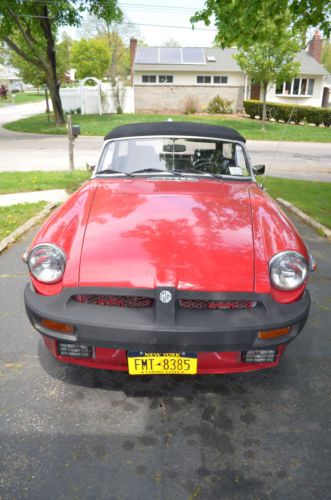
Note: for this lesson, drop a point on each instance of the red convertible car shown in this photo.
(170, 260)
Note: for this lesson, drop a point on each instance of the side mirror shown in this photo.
(258, 169)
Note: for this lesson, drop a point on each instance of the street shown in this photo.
(19, 151)
(69, 432)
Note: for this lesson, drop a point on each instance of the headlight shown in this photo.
(288, 270)
(47, 263)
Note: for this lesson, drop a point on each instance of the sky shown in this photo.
(157, 21)
(171, 14)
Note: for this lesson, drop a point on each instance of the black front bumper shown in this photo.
(167, 327)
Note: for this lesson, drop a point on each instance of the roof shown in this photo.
(148, 58)
(309, 65)
(183, 129)
(175, 59)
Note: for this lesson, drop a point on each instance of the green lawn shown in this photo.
(13, 217)
(250, 129)
(313, 198)
(23, 98)
(18, 182)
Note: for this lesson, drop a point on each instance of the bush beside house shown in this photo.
(286, 112)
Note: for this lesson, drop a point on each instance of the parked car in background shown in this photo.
(170, 260)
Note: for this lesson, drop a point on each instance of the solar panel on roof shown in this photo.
(170, 55)
(193, 55)
(147, 55)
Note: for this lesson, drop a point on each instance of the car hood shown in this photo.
(193, 235)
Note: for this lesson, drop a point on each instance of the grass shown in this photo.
(23, 98)
(18, 182)
(101, 125)
(14, 216)
(313, 198)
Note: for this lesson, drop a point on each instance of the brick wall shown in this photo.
(171, 98)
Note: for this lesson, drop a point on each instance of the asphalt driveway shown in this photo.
(70, 433)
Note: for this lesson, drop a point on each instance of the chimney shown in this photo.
(315, 46)
(133, 48)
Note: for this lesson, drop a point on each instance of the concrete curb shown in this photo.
(26, 226)
(309, 220)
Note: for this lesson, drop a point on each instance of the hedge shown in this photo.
(292, 112)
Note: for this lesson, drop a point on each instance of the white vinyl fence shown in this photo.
(95, 100)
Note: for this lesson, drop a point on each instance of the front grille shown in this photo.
(115, 300)
(216, 304)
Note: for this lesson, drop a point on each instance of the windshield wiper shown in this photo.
(196, 171)
(111, 171)
(143, 170)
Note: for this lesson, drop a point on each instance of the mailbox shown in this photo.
(75, 131)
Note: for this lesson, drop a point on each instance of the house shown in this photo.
(10, 78)
(165, 77)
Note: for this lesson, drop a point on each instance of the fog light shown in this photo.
(57, 327)
(260, 356)
(74, 350)
(270, 334)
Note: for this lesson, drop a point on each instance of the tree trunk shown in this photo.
(264, 106)
(51, 76)
(54, 91)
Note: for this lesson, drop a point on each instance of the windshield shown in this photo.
(155, 155)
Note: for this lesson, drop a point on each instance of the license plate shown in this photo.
(162, 363)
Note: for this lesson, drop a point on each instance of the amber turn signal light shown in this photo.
(270, 334)
(57, 327)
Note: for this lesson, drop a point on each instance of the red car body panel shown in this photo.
(144, 233)
(155, 236)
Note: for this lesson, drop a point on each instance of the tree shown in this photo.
(28, 73)
(171, 42)
(117, 36)
(29, 28)
(63, 50)
(272, 59)
(90, 58)
(240, 23)
(326, 55)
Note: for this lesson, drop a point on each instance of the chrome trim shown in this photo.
(55, 247)
(281, 254)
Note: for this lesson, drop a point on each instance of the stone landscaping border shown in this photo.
(320, 228)
(26, 226)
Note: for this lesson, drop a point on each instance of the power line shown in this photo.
(174, 27)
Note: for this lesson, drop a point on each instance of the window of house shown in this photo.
(203, 79)
(220, 79)
(311, 86)
(288, 86)
(279, 88)
(166, 78)
(298, 86)
(149, 78)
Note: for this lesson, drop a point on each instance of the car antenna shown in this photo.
(277, 147)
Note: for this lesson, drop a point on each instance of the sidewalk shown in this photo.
(51, 195)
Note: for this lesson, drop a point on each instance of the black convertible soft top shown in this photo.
(183, 129)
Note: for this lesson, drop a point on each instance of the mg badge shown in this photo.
(165, 297)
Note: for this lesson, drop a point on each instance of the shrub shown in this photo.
(191, 105)
(289, 112)
(327, 118)
(252, 108)
(218, 105)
